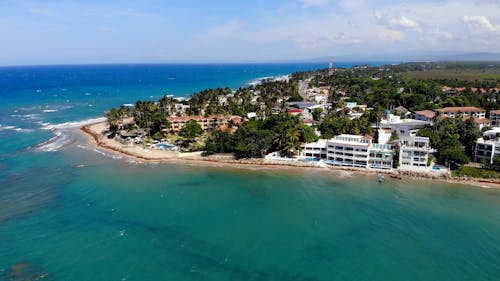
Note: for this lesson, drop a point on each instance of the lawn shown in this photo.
(477, 173)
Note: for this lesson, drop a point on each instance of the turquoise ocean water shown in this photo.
(74, 212)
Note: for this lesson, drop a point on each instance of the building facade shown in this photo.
(424, 115)
(488, 147)
(468, 111)
(495, 117)
(358, 151)
(207, 123)
(315, 149)
(414, 152)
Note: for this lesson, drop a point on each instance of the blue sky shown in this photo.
(133, 31)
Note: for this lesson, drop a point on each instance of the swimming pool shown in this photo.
(310, 159)
(165, 146)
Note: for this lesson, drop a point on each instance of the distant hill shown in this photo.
(427, 56)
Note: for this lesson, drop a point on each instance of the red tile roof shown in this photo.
(479, 120)
(460, 109)
(426, 113)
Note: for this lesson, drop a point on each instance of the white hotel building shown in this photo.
(414, 153)
(351, 151)
(488, 147)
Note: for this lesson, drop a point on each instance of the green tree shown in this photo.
(469, 133)
(219, 141)
(112, 117)
(191, 130)
(394, 136)
(317, 113)
(251, 141)
(307, 134)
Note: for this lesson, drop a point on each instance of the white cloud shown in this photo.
(405, 22)
(481, 23)
(397, 22)
(353, 6)
(442, 34)
(43, 12)
(390, 35)
(313, 3)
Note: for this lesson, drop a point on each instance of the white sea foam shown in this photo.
(109, 155)
(268, 78)
(50, 110)
(4, 128)
(22, 130)
(55, 143)
(73, 124)
(87, 94)
(30, 116)
(14, 128)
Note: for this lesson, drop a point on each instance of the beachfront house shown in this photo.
(315, 149)
(488, 147)
(351, 151)
(348, 150)
(381, 156)
(358, 151)
(414, 153)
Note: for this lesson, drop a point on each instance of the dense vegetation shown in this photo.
(256, 138)
(454, 140)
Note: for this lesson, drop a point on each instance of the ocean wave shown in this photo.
(260, 80)
(55, 108)
(73, 124)
(14, 128)
(58, 141)
(30, 116)
(109, 155)
(5, 128)
(22, 130)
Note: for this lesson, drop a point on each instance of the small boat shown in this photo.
(381, 178)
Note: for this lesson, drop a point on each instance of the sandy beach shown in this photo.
(138, 153)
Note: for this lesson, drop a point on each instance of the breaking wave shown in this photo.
(62, 136)
(73, 124)
(58, 141)
(261, 80)
(109, 155)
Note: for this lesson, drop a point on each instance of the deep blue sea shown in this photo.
(69, 211)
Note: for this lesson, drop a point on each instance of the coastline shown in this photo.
(94, 133)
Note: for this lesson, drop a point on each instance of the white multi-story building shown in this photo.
(495, 117)
(348, 150)
(381, 156)
(414, 152)
(315, 149)
(358, 151)
(488, 147)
